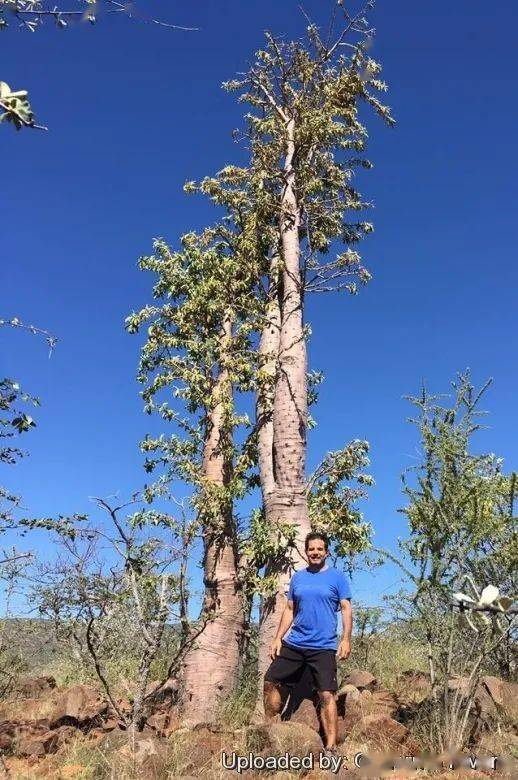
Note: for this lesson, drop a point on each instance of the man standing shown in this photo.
(314, 597)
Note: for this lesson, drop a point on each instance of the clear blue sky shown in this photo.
(134, 111)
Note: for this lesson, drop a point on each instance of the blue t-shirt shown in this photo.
(316, 599)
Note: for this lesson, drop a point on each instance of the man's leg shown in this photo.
(329, 715)
(272, 700)
(285, 667)
(323, 667)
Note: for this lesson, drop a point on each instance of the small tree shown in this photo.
(114, 595)
(458, 532)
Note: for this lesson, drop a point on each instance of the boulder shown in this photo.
(495, 687)
(144, 755)
(166, 692)
(347, 700)
(485, 706)
(504, 694)
(460, 684)
(349, 691)
(30, 747)
(38, 745)
(380, 702)
(348, 724)
(23, 733)
(278, 738)
(361, 680)
(164, 723)
(383, 732)
(204, 743)
(110, 723)
(412, 687)
(307, 713)
(79, 706)
(34, 687)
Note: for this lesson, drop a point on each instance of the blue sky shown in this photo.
(135, 110)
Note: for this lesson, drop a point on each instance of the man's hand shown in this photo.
(275, 648)
(344, 650)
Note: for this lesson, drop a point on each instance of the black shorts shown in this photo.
(288, 666)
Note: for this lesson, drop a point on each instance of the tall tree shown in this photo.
(197, 348)
(306, 138)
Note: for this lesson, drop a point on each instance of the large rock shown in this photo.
(495, 687)
(358, 710)
(164, 723)
(205, 743)
(278, 738)
(378, 702)
(348, 696)
(412, 687)
(459, 684)
(348, 724)
(167, 692)
(38, 745)
(383, 732)
(485, 705)
(307, 713)
(7, 735)
(504, 694)
(79, 706)
(361, 680)
(348, 690)
(16, 733)
(144, 756)
(34, 687)
(32, 746)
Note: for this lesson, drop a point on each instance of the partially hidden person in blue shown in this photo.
(307, 635)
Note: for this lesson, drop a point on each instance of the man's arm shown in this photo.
(285, 623)
(344, 648)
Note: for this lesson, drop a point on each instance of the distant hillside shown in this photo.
(33, 639)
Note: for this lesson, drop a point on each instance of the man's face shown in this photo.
(316, 552)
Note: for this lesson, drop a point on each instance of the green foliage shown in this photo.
(313, 90)
(218, 279)
(266, 546)
(334, 488)
(460, 509)
(14, 420)
(462, 533)
(199, 334)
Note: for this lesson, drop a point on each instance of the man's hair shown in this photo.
(316, 535)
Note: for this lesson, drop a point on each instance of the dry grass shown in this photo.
(26, 709)
(386, 657)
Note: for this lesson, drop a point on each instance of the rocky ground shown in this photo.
(47, 731)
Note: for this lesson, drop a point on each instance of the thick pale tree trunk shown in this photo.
(282, 437)
(211, 667)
